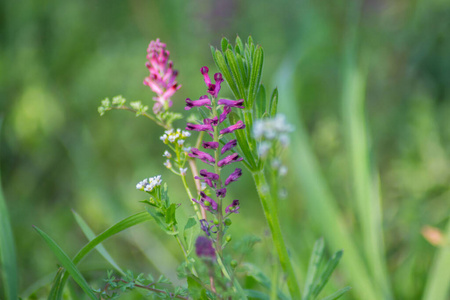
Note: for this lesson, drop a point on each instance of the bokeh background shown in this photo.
(58, 59)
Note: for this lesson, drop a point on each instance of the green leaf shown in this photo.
(7, 251)
(160, 219)
(260, 105)
(261, 278)
(239, 48)
(189, 233)
(223, 67)
(243, 68)
(170, 214)
(255, 75)
(67, 264)
(243, 143)
(256, 294)
(56, 285)
(314, 263)
(100, 248)
(238, 79)
(338, 294)
(224, 44)
(326, 274)
(273, 103)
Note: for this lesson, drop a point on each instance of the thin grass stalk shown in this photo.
(269, 208)
(438, 283)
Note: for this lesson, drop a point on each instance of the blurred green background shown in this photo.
(58, 59)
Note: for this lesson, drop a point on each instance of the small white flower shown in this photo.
(180, 142)
(167, 154)
(283, 170)
(163, 137)
(168, 132)
(202, 186)
(183, 171)
(168, 164)
(172, 138)
(186, 134)
(187, 149)
(148, 184)
(264, 148)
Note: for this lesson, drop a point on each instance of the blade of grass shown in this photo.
(67, 263)
(100, 248)
(8, 260)
(438, 283)
(116, 228)
(326, 274)
(338, 294)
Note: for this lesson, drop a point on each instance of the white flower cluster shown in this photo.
(178, 136)
(270, 130)
(148, 184)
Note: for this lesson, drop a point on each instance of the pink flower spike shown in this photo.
(203, 156)
(239, 125)
(228, 146)
(232, 103)
(229, 159)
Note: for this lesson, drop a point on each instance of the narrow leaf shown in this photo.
(7, 252)
(255, 75)
(261, 278)
(239, 45)
(56, 285)
(314, 263)
(238, 79)
(224, 44)
(273, 103)
(338, 294)
(100, 248)
(260, 107)
(67, 264)
(328, 270)
(223, 67)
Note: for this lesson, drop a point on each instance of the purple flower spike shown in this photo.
(210, 145)
(206, 202)
(218, 78)
(199, 127)
(203, 101)
(203, 156)
(224, 114)
(204, 225)
(212, 121)
(231, 103)
(204, 248)
(221, 193)
(233, 207)
(233, 176)
(229, 159)
(210, 175)
(239, 125)
(228, 146)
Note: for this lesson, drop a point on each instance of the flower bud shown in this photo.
(228, 222)
(228, 238)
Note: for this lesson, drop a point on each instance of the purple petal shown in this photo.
(203, 156)
(228, 146)
(204, 248)
(233, 207)
(210, 145)
(229, 159)
(221, 192)
(233, 176)
(210, 175)
(224, 114)
(199, 127)
(200, 102)
(232, 103)
(239, 125)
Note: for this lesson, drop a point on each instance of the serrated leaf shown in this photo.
(223, 67)
(273, 103)
(314, 263)
(90, 236)
(338, 294)
(67, 263)
(238, 79)
(328, 270)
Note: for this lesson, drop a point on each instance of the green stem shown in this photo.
(272, 219)
(188, 191)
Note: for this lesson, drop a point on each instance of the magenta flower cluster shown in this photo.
(211, 126)
(162, 78)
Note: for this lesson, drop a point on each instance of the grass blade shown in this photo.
(56, 285)
(314, 263)
(67, 263)
(338, 294)
(8, 260)
(100, 248)
(254, 272)
(438, 284)
(326, 274)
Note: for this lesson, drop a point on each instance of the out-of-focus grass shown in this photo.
(58, 59)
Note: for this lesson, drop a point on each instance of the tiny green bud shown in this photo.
(228, 222)
(207, 203)
(216, 222)
(228, 238)
(233, 263)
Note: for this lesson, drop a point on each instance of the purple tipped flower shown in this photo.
(228, 146)
(239, 125)
(210, 145)
(206, 202)
(231, 103)
(203, 156)
(204, 248)
(224, 114)
(162, 75)
(199, 127)
(203, 101)
(229, 159)
(210, 175)
(221, 193)
(233, 207)
(233, 176)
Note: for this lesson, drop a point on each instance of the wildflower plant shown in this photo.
(244, 134)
